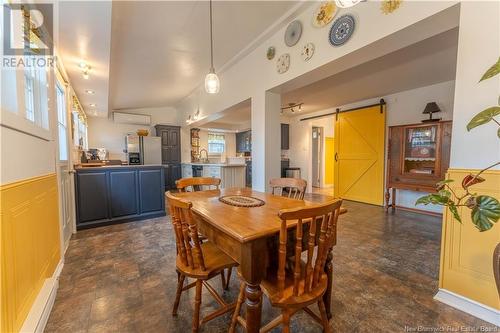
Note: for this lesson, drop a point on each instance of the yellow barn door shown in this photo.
(359, 155)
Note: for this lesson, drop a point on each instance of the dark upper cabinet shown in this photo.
(285, 136)
(170, 143)
(170, 153)
(239, 140)
(92, 196)
(123, 196)
(244, 142)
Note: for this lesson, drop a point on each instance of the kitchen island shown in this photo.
(114, 194)
(231, 175)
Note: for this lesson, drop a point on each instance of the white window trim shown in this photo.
(208, 145)
(17, 120)
(60, 86)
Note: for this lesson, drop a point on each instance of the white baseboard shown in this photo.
(41, 308)
(469, 306)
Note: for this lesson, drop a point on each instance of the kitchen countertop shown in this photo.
(224, 165)
(79, 167)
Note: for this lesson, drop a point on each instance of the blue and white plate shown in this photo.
(341, 30)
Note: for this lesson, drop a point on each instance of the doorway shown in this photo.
(63, 165)
(317, 156)
(359, 155)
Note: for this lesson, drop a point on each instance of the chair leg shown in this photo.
(286, 321)
(228, 278)
(180, 284)
(239, 302)
(197, 304)
(324, 317)
(223, 280)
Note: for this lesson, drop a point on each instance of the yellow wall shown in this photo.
(467, 254)
(30, 245)
(329, 149)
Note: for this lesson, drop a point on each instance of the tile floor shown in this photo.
(122, 278)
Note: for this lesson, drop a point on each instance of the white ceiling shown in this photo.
(160, 51)
(84, 34)
(237, 117)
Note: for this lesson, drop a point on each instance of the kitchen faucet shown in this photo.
(206, 160)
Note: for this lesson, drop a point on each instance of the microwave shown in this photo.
(134, 158)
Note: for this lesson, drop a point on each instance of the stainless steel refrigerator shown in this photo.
(143, 149)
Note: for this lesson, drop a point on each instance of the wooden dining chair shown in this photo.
(295, 284)
(194, 184)
(294, 188)
(196, 260)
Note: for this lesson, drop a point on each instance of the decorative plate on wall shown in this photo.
(324, 14)
(341, 30)
(307, 51)
(271, 51)
(283, 63)
(389, 6)
(293, 33)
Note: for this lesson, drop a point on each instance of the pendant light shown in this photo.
(346, 3)
(212, 84)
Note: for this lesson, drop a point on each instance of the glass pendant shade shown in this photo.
(212, 84)
(346, 3)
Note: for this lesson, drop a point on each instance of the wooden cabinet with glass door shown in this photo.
(418, 157)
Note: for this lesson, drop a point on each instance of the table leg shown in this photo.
(327, 297)
(253, 303)
(393, 197)
(387, 199)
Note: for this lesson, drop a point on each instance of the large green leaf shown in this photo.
(492, 71)
(486, 212)
(453, 209)
(441, 198)
(483, 117)
(498, 133)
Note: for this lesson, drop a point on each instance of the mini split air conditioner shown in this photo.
(131, 118)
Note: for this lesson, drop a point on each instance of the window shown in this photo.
(216, 143)
(35, 96)
(62, 124)
(29, 93)
(79, 131)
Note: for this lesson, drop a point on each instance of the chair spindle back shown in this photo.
(322, 220)
(195, 184)
(186, 232)
(294, 188)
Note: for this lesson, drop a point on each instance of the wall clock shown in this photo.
(283, 63)
(293, 33)
(324, 14)
(341, 30)
(307, 51)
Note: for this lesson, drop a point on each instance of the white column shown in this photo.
(477, 51)
(266, 139)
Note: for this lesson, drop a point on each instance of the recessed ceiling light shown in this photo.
(90, 92)
(92, 105)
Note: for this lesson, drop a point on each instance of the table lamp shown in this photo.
(431, 108)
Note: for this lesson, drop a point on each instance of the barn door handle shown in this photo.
(336, 157)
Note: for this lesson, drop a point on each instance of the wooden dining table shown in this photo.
(244, 233)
